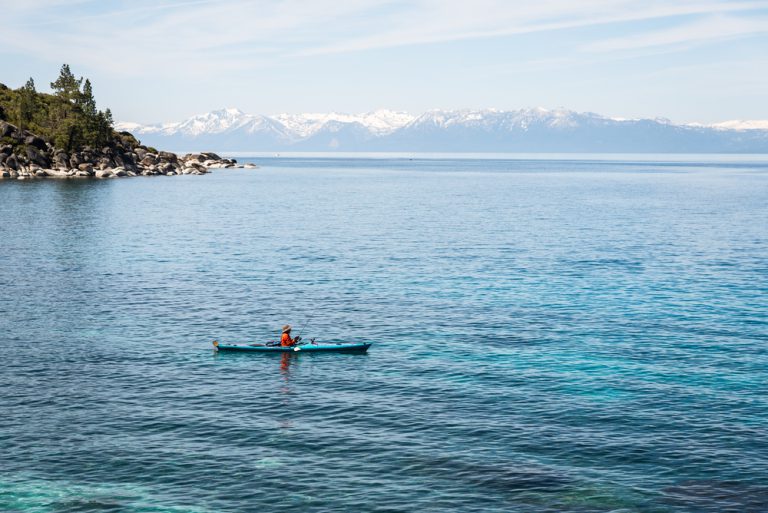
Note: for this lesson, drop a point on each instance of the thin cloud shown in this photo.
(713, 28)
(187, 38)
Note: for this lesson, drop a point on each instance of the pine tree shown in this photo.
(105, 127)
(67, 86)
(68, 118)
(86, 101)
(26, 104)
(92, 122)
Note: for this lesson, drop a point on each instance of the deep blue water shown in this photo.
(549, 335)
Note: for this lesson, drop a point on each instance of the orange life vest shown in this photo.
(286, 340)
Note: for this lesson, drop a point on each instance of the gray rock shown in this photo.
(86, 167)
(37, 142)
(56, 173)
(149, 160)
(60, 160)
(167, 156)
(12, 162)
(6, 129)
(105, 163)
(34, 154)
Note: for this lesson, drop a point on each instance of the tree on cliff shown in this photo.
(26, 104)
(77, 121)
(67, 87)
(68, 118)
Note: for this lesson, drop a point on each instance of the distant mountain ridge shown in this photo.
(488, 130)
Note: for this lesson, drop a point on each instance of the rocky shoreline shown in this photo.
(25, 156)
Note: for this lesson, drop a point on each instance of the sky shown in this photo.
(153, 61)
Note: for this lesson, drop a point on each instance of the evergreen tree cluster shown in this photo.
(68, 118)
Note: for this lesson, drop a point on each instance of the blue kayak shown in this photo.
(302, 348)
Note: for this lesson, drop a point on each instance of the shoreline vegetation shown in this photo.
(64, 135)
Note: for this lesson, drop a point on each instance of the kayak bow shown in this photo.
(306, 348)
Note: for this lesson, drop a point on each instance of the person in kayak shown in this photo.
(286, 340)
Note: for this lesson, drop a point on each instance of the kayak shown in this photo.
(304, 348)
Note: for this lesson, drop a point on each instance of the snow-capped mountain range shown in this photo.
(489, 130)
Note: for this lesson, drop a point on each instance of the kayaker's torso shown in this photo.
(286, 340)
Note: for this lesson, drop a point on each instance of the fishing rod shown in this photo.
(306, 323)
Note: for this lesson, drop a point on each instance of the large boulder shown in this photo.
(61, 160)
(127, 158)
(34, 154)
(6, 129)
(37, 142)
(168, 156)
(150, 159)
(57, 173)
(193, 157)
(12, 162)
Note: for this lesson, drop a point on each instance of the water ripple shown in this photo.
(548, 336)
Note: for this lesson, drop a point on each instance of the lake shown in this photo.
(550, 334)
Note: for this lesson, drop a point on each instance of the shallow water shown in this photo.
(549, 335)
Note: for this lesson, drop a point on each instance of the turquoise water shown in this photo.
(549, 335)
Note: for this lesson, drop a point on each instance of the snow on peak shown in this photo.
(383, 122)
(490, 118)
(738, 124)
(214, 122)
(379, 122)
